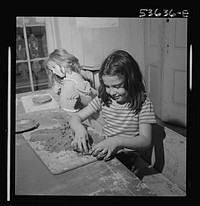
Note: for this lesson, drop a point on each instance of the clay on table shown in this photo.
(60, 138)
(41, 99)
(55, 139)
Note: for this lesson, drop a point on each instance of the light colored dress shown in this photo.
(73, 83)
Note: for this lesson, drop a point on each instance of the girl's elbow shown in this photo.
(147, 146)
(147, 143)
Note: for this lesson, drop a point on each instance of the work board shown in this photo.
(51, 141)
(39, 102)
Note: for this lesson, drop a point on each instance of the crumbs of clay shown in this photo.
(59, 138)
(55, 139)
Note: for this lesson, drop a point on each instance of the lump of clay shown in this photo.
(41, 99)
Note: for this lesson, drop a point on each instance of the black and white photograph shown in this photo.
(100, 105)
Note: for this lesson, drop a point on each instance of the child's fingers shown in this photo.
(96, 151)
(107, 157)
(85, 146)
(102, 154)
(80, 146)
(74, 145)
(89, 149)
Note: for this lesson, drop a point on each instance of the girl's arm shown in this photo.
(85, 99)
(140, 142)
(80, 141)
(112, 145)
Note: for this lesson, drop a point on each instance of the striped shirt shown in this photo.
(120, 119)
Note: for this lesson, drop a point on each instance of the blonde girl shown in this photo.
(64, 72)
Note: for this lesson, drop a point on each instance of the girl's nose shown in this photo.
(112, 91)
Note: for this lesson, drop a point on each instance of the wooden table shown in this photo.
(32, 177)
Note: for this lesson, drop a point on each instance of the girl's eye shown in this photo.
(118, 86)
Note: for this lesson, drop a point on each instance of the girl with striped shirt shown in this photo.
(127, 112)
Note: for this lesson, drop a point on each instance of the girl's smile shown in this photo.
(115, 88)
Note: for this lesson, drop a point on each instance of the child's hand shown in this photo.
(106, 148)
(80, 142)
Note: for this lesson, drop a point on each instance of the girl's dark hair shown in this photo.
(123, 65)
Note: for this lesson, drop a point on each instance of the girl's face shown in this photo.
(56, 69)
(115, 88)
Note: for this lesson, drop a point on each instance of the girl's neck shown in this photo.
(119, 103)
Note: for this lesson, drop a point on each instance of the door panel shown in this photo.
(175, 72)
(152, 58)
(165, 63)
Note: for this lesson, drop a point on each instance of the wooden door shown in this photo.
(166, 63)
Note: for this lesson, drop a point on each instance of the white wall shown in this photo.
(92, 45)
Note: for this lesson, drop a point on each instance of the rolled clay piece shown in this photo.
(42, 99)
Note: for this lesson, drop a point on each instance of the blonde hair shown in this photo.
(64, 59)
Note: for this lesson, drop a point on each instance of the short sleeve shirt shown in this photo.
(120, 119)
(80, 85)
